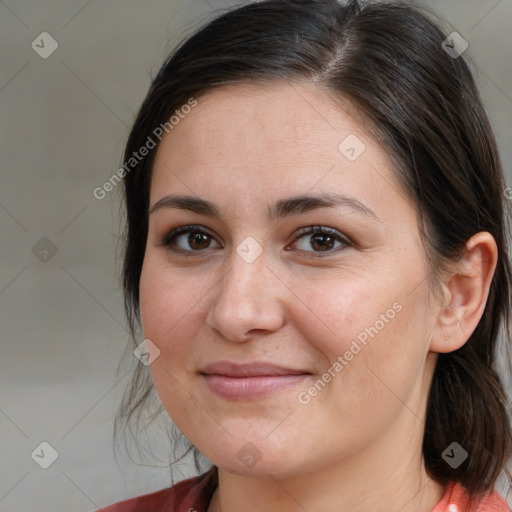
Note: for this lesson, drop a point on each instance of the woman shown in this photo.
(317, 256)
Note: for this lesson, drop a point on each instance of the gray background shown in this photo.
(64, 122)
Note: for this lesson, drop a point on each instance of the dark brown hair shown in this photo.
(423, 106)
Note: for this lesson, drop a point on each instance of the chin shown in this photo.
(264, 470)
(258, 458)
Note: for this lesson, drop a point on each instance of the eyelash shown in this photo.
(169, 239)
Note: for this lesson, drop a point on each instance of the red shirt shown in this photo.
(194, 495)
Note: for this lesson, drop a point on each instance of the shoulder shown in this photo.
(456, 498)
(193, 493)
(494, 503)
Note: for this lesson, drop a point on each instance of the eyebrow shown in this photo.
(282, 208)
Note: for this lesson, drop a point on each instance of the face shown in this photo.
(293, 334)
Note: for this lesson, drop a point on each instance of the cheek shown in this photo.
(169, 309)
(372, 335)
(331, 313)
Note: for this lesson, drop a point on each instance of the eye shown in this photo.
(323, 240)
(198, 239)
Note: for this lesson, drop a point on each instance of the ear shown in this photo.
(466, 288)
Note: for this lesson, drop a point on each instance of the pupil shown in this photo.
(196, 237)
(323, 244)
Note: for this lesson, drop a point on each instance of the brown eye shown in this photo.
(322, 240)
(194, 239)
(197, 239)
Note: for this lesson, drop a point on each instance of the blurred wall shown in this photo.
(65, 117)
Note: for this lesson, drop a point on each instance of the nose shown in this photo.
(249, 300)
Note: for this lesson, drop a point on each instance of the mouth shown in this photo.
(245, 381)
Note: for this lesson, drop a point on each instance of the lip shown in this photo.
(255, 380)
(257, 369)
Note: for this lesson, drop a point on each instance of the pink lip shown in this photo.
(255, 380)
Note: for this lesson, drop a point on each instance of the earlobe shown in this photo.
(465, 291)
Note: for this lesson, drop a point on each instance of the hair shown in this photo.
(423, 106)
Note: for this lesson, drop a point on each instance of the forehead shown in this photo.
(247, 118)
(244, 138)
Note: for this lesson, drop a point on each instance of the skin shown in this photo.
(356, 445)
